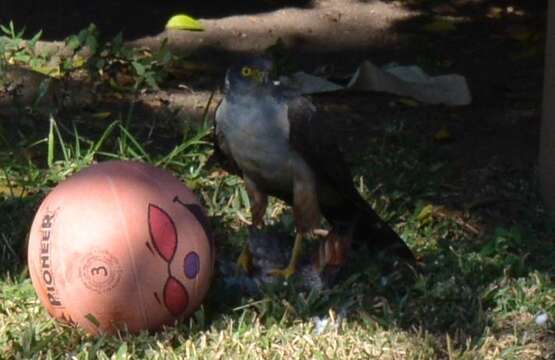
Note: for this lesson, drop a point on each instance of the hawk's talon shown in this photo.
(321, 233)
(244, 261)
(293, 261)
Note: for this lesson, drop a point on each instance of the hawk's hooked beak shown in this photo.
(259, 76)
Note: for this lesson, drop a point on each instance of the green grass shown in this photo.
(487, 271)
(476, 297)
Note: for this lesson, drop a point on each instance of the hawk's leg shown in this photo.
(293, 261)
(259, 203)
(306, 212)
(244, 261)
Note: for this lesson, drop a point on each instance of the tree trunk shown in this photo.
(547, 135)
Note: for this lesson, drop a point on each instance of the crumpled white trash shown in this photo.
(409, 81)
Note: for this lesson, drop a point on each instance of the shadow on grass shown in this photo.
(17, 215)
(400, 170)
(485, 228)
(474, 255)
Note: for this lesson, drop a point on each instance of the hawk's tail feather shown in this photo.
(380, 237)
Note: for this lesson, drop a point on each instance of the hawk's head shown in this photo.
(248, 75)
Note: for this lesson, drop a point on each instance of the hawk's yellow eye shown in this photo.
(246, 71)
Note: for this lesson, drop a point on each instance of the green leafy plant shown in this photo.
(18, 51)
(3, 67)
(124, 68)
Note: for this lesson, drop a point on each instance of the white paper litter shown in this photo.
(309, 84)
(541, 319)
(409, 81)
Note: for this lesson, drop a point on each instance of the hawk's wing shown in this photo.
(221, 153)
(312, 137)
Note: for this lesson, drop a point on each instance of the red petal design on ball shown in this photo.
(176, 297)
(162, 232)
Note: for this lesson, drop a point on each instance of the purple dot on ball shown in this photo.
(191, 264)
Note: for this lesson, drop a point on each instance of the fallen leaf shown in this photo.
(92, 319)
(115, 86)
(440, 25)
(408, 102)
(425, 213)
(494, 12)
(102, 115)
(443, 134)
(52, 71)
